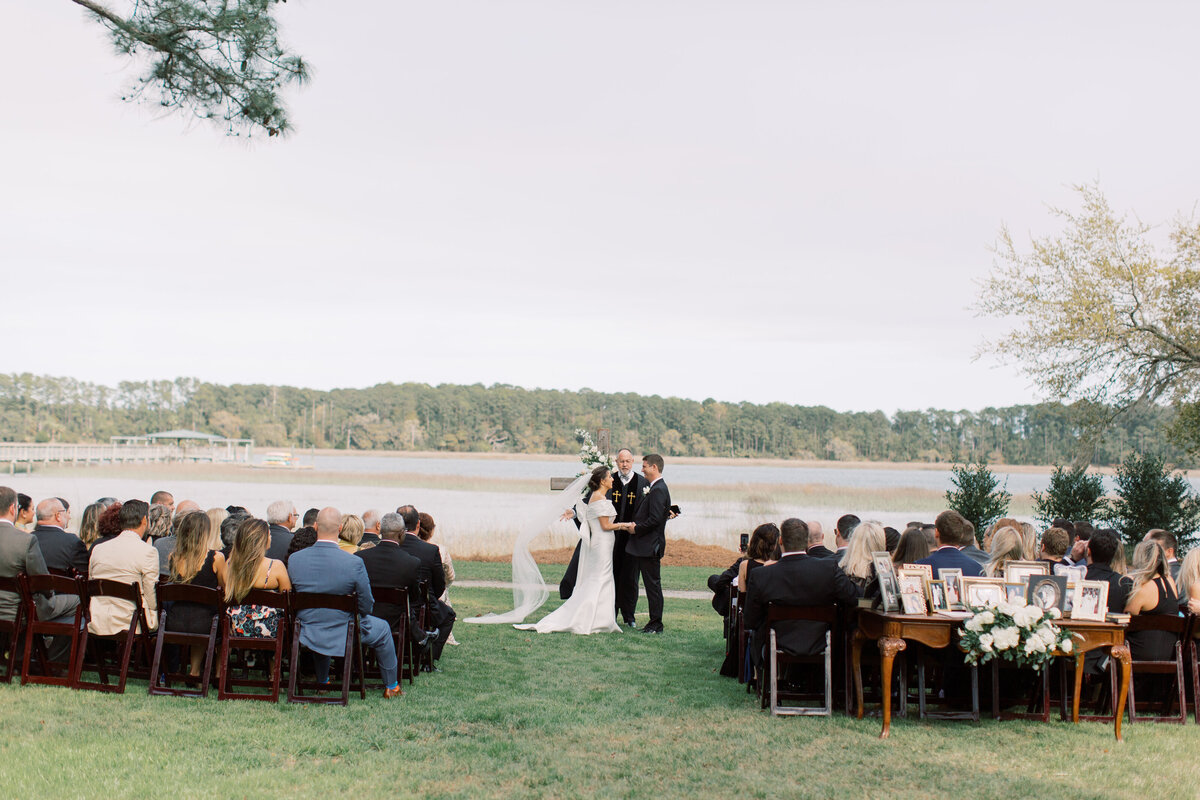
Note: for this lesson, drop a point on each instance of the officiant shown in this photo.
(627, 491)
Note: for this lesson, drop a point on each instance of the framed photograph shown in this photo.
(1019, 571)
(1073, 574)
(913, 603)
(952, 578)
(1014, 591)
(924, 570)
(1047, 591)
(937, 596)
(889, 587)
(983, 592)
(1090, 600)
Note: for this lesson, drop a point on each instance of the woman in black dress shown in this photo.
(192, 562)
(1153, 592)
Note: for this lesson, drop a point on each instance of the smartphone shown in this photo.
(743, 542)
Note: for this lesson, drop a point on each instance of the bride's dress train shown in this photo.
(591, 607)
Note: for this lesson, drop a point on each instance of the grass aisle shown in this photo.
(515, 714)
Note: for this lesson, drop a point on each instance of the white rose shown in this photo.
(1005, 638)
(1046, 634)
(985, 643)
(986, 618)
(1067, 646)
(1055, 613)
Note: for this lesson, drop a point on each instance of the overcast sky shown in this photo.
(745, 200)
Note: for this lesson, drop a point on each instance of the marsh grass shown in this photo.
(517, 714)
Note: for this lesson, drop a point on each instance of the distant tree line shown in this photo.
(415, 416)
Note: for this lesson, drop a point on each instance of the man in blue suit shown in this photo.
(326, 568)
(953, 532)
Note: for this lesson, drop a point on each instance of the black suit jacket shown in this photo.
(390, 567)
(798, 580)
(61, 550)
(1118, 585)
(431, 563)
(281, 538)
(636, 486)
(820, 551)
(649, 536)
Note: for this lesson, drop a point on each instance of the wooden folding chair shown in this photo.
(14, 629)
(1182, 628)
(405, 656)
(169, 594)
(347, 603)
(135, 640)
(742, 637)
(35, 629)
(776, 658)
(1194, 663)
(273, 645)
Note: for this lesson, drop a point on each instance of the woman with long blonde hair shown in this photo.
(215, 517)
(1153, 592)
(1030, 539)
(868, 537)
(249, 568)
(1189, 582)
(193, 562)
(1007, 545)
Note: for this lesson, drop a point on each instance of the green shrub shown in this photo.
(1151, 496)
(1072, 494)
(976, 497)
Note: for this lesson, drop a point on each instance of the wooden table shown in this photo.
(891, 632)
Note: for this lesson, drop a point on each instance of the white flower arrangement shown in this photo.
(1023, 634)
(589, 454)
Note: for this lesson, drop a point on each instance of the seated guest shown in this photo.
(249, 568)
(843, 531)
(760, 550)
(441, 615)
(350, 534)
(1153, 592)
(370, 536)
(282, 517)
(891, 538)
(229, 529)
(108, 525)
(425, 529)
(930, 531)
(990, 533)
(953, 532)
(215, 517)
(61, 550)
(326, 568)
(24, 518)
(305, 537)
(310, 518)
(390, 567)
(20, 554)
(166, 543)
(971, 550)
(1189, 582)
(1102, 546)
(159, 523)
(163, 498)
(816, 541)
(1081, 533)
(194, 562)
(796, 579)
(1055, 543)
(125, 559)
(1007, 545)
(719, 585)
(87, 524)
(1167, 540)
(912, 548)
(856, 560)
(1029, 542)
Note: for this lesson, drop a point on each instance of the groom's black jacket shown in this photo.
(649, 536)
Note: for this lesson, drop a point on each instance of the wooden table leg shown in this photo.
(888, 647)
(856, 644)
(1079, 657)
(1121, 653)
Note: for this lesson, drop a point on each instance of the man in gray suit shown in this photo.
(20, 553)
(328, 569)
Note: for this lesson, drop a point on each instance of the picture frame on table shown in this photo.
(1019, 571)
(938, 600)
(1047, 592)
(910, 584)
(889, 586)
(913, 603)
(1015, 592)
(1074, 573)
(983, 592)
(924, 570)
(1090, 600)
(952, 579)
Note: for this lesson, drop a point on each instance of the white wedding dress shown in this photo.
(590, 608)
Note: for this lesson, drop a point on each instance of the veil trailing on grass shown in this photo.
(529, 588)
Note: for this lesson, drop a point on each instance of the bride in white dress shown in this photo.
(590, 608)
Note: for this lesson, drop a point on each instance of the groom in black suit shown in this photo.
(647, 541)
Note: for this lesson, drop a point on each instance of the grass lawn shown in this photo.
(516, 714)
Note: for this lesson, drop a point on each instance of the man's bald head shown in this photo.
(48, 509)
(329, 522)
(816, 535)
(186, 507)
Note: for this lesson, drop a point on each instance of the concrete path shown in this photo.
(680, 594)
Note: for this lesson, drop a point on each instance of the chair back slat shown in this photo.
(59, 584)
(265, 597)
(777, 612)
(106, 587)
(302, 601)
(187, 593)
(1157, 622)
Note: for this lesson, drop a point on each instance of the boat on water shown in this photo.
(280, 460)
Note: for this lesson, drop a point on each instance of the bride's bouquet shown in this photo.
(589, 453)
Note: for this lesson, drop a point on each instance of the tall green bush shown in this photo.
(976, 496)
(1072, 494)
(1151, 495)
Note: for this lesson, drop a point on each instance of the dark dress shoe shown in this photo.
(388, 694)
(650, 628)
